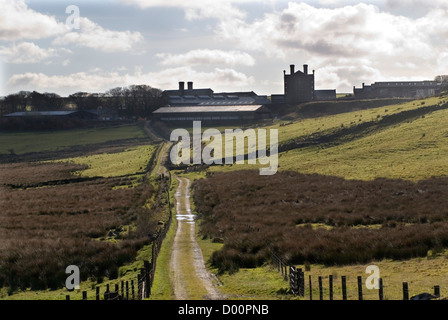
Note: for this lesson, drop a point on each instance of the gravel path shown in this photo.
(187, 262)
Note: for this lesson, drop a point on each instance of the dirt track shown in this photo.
(190, 278)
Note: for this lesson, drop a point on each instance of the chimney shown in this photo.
(305, 69)
(181, 88)
(292, 69)
(190, 85)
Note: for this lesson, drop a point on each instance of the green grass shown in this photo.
(161, 289)
(422, 274)
(26, 142)
(306, 127)
(262, 283)
(410, 150)
(129, 161)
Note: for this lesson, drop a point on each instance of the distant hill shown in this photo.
(409, 143)
(408, 140)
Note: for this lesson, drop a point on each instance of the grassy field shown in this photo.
(411, 150)
(421, 274)
(417, 150)
(103, 213)
(127, 162)
(26, 142)
(288, 130)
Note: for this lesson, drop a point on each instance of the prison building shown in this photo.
(401, 89)
(212, 113)
(298, 86)
(85, 115)
(322, 95)
(207, 97)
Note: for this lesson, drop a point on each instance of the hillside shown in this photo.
(406, 141)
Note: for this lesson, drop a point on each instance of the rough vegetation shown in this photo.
(320, 219)
(44, 227)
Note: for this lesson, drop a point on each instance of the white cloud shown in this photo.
(347, 38)
(18, 22)
(25, 52)
(93, 36)
(198, 9)
(207, 57)
(96, 80)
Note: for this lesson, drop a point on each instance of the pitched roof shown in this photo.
(217, 109)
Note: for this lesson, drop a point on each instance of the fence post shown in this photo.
(84, 295)
(330, 285)
(147, 268)
(405, 291)
(344, 287)
(359, 288)
(139, 286)
(293, 284)
(97, 294)
(117, 294)
(301, 282)
(107, 293)
(311, 288)
(321, 293)
(67, 297)
(132, 290)
(127, 290)
(380, 292)
(437, 291)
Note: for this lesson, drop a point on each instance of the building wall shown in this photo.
(299, 86)
(324, 95)
(418, 89)
(199, 116)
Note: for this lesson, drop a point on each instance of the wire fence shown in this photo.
(140, 288)
(299, 285)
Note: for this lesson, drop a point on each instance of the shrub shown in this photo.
(254, 214)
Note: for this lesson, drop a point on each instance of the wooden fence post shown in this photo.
(405, 291)
(122, 289)
(321, 293)
(344, 287)
(97, 293)
(107, 293)
(359, 288)
(437, 291)
(117, 294)
(293, 283)
(301, 282)
(147, 268)
(132, 290)
(127, 290)
(311, 288)
(330, 286)
(84, 295)
(139, 286)
(380, 291)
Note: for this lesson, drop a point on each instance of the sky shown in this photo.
(65, 47)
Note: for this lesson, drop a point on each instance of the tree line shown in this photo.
(133, 101)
